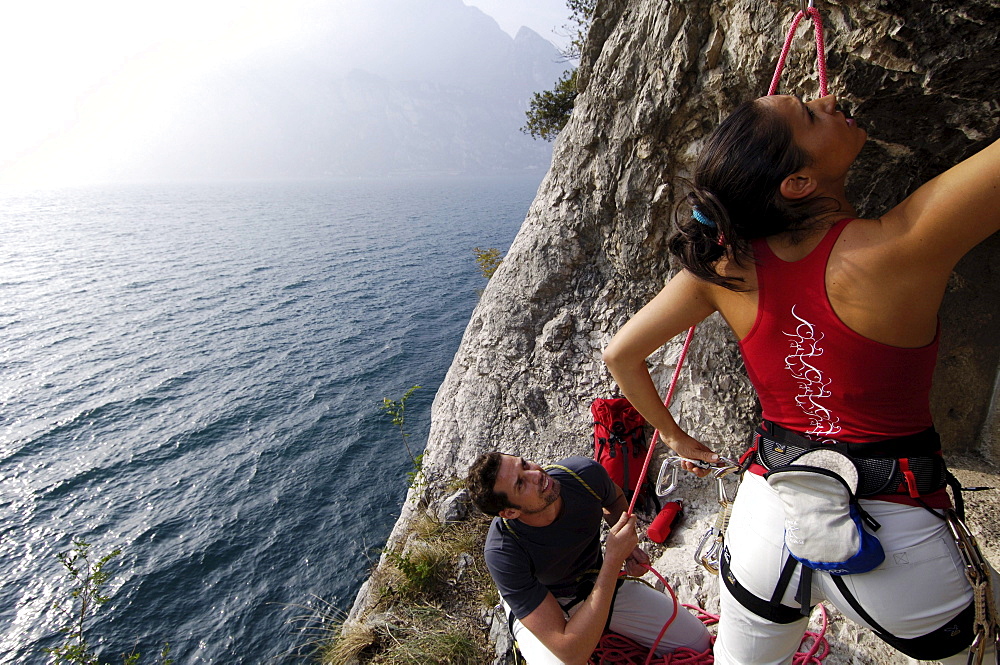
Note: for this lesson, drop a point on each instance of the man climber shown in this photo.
(544, 554)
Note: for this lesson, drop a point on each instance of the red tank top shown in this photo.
(816, 376)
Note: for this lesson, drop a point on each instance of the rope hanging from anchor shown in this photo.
(807, 9)
(813, 13)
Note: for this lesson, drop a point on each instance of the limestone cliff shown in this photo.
(656, 78)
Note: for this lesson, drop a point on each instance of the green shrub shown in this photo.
(89, 579)
(549, 110)
(488, 259)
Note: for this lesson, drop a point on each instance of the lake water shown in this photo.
(194, 374)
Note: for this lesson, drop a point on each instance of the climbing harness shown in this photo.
(807, 9)
(777, 450)
(882, 468)
(910, 464)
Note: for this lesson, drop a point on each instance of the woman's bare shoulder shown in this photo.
(877, 244)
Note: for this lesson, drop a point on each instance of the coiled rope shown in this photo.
(615, 649)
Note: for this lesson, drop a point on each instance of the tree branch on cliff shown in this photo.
(549, 111)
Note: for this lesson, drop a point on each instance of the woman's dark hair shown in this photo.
(736, 188)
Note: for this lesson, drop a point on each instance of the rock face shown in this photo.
(657, 77)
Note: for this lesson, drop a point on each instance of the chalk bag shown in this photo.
(825, 526)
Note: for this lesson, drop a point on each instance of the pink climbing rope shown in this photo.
(666, 402)
(817, 20)
(615, 649)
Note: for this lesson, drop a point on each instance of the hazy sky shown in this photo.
(87, 84)
(546, 17)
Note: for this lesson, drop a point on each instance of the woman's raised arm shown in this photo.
(951, 214)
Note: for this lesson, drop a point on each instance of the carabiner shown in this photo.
(726, 467)
(723, 467)
(724, 498)
(709, 560)
(977, 650)
(670, 462)
(805, 6)
(717, 533)
(975, 566)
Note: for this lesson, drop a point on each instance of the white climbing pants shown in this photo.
(919, 588)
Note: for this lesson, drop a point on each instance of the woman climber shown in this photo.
(837, 321)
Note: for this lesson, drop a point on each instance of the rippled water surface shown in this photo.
(193, 374)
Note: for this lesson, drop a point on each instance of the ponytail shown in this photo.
(736, 190)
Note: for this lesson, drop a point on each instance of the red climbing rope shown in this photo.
(673, 615)
(615, 649)
(817, 20)
(666, 402)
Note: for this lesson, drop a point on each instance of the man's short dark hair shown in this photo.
(480, 481)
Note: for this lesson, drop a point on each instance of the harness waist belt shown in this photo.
(909, 464)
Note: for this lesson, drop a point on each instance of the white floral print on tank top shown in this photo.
(812, 385)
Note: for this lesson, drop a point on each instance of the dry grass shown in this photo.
(428, 634)
(409, 624)
(348, 643)
(325, 636)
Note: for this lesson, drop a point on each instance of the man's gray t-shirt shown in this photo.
(527, 562)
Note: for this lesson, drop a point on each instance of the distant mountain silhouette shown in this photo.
(435, 87)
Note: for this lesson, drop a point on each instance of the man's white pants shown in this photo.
(639, 614)
(920, 586)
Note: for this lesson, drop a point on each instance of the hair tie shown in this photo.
(701, 218)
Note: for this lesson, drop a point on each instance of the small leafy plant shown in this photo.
(421, 569)
(396, 410)
(86, 596)
(488, 260)
(413, 477)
